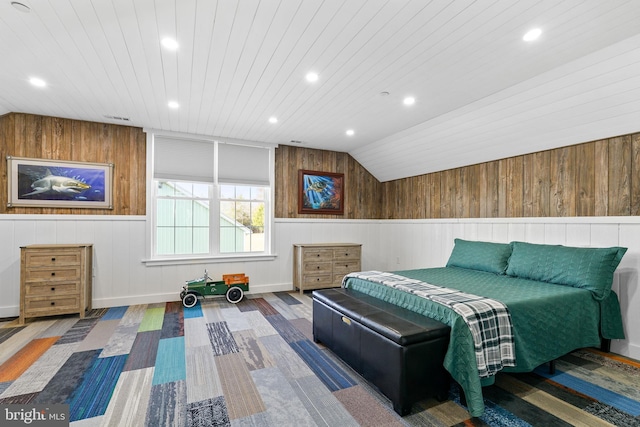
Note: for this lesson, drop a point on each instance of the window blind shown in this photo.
(242, 164)
(183, 159)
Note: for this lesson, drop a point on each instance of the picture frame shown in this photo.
(59, 183)
(320, 192)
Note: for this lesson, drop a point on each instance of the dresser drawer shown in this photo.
(317, 267)
(346, 253)
(318, 254)
(38, 289)
(52, 274)
(52, 259)
(344, 267)
(317, 279)
(33, 305)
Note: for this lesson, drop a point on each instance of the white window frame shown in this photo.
(214, 222)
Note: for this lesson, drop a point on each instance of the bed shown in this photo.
(559, 299)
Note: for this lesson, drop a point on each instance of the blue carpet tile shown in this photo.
(115, 313)
(172, 325)
(92, 396)
(170, 361)
(326, 369)
(285, 329)
(195, 311)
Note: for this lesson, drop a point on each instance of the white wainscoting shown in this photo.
(121, 278)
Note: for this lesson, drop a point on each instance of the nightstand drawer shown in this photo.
(52, 259)
(51, 305)
(38, 289)
(52, 274)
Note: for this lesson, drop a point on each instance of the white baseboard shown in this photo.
(14, 311)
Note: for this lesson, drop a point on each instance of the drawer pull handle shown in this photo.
(53, 259)
(318, 279)
(53, 303)
(53, 274)
(53, 289)
(318, 267)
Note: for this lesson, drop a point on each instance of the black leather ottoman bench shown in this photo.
(397, 350)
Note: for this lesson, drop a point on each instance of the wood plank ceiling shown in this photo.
(481, 92)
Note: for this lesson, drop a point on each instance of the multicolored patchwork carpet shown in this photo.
(255, 364)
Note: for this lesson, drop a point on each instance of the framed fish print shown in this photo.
(59, 184)
(320, 192)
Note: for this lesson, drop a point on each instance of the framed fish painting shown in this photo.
(320, 192)
(59, 184)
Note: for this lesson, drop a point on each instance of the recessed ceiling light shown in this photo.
(169, 43)
(20, 6)
(273, 119)
(532, 35)
(312, 77)
(350, 132)
(38, 82)
(173, 104)
(409, 100)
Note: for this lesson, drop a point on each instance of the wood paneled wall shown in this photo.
(27, 135)
(599, 178)
(363, 193)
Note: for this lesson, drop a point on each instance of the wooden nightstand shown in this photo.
(55, 279)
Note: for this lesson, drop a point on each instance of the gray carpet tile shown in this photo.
(195, 332)
(202, 374)
(283, 308)
(285, 358)
(287, 297)
(7, 332)
(99, 336)
(236, 321)
(260, 326)
(256, 420)
(255, 354)
(120, 341)
(78, 331)
(134, 315)
(221, 339)
(130, 399)
(167, 405)
(283, 405)
(364, 409)
(320, 403)
(60, 327)
(304, 326)
(208, 413)
(18, 340)
(285, 329)
(4, 386)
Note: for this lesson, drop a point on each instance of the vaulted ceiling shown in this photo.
(481, 92)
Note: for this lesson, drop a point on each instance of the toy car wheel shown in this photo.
(189, 300)
(234, 294)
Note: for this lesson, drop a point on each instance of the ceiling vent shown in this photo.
(120, 118)
(295, 141)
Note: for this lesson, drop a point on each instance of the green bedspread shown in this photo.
(549, 320)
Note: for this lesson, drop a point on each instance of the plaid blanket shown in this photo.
(489, 320)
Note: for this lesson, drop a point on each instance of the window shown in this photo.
(182, 217)
(242, 211)
(208, 199)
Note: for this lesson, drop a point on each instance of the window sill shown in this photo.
(208, 259)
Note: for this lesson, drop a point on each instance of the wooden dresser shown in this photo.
(55, 279)
(323, 265)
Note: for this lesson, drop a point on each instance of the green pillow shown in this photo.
(483, 256)
(588, 268)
